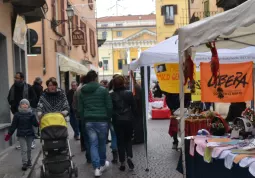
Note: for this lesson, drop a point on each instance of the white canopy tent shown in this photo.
(232, 29)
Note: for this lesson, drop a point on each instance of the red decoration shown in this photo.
(215, 67)
(215, 63)
(189, 73)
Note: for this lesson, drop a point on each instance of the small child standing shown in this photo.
(24, 121)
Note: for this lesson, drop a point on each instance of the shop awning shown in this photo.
(66, 64)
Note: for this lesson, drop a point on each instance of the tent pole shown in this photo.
(143, 83)
(182, 119)
(146, 85)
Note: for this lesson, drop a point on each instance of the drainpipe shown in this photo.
(189, 11)
(43, 46)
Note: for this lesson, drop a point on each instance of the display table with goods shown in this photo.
(231, 155)
(159, 109)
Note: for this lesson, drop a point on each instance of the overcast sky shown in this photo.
(134, 7)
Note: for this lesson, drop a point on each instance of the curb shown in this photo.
(28, 173)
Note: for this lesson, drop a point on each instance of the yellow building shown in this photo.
(170, 15)
(126, 37)
(173, 14)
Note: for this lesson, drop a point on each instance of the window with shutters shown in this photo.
(169, 12)
(91, 5)
(120, 64)
(206, 9)
(92, 43)
(62, 15)
(84, 29)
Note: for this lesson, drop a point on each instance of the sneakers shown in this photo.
(122, 167)
(115, 157)
(33, 145)
(103, 168)
(18, 147)
(98, 173)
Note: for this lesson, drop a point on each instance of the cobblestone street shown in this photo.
(162, 159)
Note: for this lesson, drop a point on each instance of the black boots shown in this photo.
(115, 157)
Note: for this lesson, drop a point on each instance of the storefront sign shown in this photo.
(78, 38)
(168, 77)
(234, 79)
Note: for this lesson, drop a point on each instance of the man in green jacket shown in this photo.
(95, 106)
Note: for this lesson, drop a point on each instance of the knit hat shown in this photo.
(24, 101)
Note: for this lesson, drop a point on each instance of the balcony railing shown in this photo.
(205, 14)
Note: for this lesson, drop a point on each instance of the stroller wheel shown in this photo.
(70, 172)
(76, 172)
(42, 174)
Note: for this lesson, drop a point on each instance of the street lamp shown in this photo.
(70, 14)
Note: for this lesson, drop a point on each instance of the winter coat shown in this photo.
(69, 96)
(53, 102)
(124, 106)
(17, 93)
(24, 123)
(38, 91)
(95, 104)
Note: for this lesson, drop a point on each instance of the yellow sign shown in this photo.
(197, 95)
(168, 78)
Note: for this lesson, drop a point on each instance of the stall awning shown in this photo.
(66, 64)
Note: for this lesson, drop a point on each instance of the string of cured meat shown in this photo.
(188, 71)
(215, 68)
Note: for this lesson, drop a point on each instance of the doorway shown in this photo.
(4, 87)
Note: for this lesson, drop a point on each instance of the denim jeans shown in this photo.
(114, 138)
(97, 133)
(75, 124)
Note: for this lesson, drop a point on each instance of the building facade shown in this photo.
(126, 37)
(59, 57)
(14, 17)
(170, 15)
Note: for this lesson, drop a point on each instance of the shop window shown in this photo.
(92, 43)
(169, 12)
(119, 34)
(119, 25)
(84, 29)
(120, 64)
(104, 34)
(104, 25)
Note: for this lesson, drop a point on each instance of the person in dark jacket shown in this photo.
(157, 91)
(21, 90)
(138, 122)
(95, 106)
(73, 121)
(124, 109)
(23, 121)
(235, 110)
(37, 86)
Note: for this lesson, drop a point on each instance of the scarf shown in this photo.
(21, 110)
(25, 92)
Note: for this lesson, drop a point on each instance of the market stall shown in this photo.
(231, 29)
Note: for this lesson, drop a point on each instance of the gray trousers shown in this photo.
(25, 146)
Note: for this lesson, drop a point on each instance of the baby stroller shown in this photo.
(57, 156)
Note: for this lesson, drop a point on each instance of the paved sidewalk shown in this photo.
(163, 160)
(10, 161)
